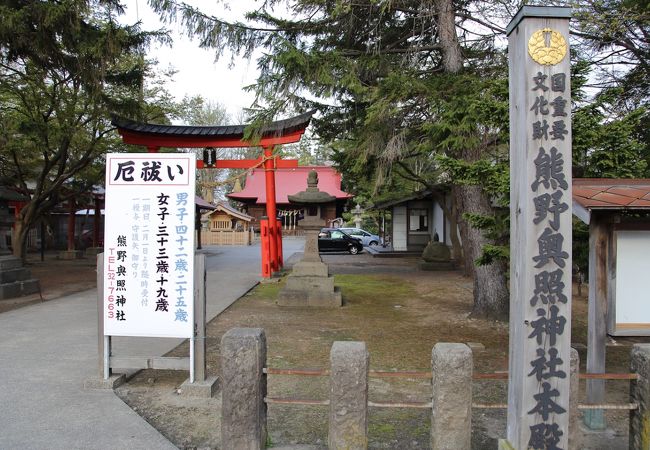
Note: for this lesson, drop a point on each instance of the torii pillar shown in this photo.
(271, 209)
(154, 136)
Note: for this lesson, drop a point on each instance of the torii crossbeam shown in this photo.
(154, 136)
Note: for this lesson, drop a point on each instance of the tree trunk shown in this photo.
(452, 57)
(26, 219)
(491, 295)
(19, 240)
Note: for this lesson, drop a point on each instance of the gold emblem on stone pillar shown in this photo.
(547, 47)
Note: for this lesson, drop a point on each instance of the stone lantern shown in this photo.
(311, 200)
(356, 213)
(309, 283)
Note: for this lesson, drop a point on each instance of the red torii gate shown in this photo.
(154, 136)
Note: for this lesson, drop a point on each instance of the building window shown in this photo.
(419, 220)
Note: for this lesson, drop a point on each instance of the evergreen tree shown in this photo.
(64, 66)
(397, 84)
(611, 130)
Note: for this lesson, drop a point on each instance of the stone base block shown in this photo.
(70, 254)
(19, 288)
(112, 382)
(12, 275)
(308, 268)
(309, 284)
(10, 262)
(204, 389)
(436, 265)
(316, 299)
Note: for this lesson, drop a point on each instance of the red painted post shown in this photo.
(278, 239)
(271, 210)
(264, 236)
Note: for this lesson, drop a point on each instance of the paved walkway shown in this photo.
(47, 350)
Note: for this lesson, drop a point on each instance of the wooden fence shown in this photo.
(226, 237)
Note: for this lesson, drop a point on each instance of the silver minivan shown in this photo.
(367, 239)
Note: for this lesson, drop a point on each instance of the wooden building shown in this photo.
(226, 226)
(417, 219)
(618, 214)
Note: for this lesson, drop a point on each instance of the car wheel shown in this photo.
(373, 243)
(353, 250)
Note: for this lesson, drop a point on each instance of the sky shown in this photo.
(197, 73)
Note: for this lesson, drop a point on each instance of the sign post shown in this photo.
(540, 234)
(149, 245)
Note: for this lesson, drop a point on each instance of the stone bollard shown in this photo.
(243, 357)
(574, 400)
(451, 418)
(348, 419)
(640, 394)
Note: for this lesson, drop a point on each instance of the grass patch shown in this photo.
(371, 288)
(266, 290)
(356, 289)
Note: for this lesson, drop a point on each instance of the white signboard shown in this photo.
(632, 268)
(149, 244)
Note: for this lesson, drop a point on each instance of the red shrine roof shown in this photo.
(288, 182)
(609, 194)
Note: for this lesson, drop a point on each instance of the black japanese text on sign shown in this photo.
(549, 299)
(149, 260)
(148, 171)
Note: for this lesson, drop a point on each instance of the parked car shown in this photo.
(368, 239)
(335, 240)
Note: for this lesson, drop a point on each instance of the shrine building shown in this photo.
(288, 182)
